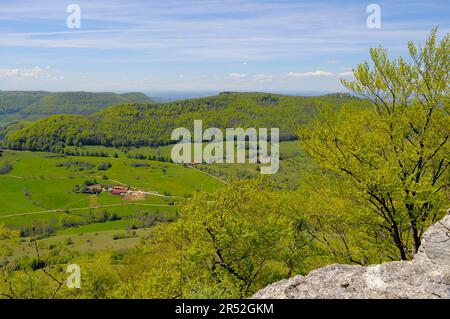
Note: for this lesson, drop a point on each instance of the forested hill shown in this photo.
(31, 105)
(147, 124)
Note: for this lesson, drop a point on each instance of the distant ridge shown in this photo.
(151, 124)
(32, 105)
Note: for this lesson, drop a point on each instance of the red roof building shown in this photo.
(119, 190)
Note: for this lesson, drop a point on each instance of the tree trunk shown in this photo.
(416, 239)
(398, 241)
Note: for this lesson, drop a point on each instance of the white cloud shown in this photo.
(181, 76)
(262, 78)
(21, 73)
(265, 34)
(348, 73)
(317, 73)
(236, 76)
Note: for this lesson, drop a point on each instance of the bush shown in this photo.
(140, 165)
(104, 166)
(6, 168)
(118, 236)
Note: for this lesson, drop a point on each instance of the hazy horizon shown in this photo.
(171, 95)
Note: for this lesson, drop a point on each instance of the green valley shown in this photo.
(152, 124)
(39, 192)
(186, 150)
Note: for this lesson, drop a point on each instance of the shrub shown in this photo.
(104, 166)
(5, 168)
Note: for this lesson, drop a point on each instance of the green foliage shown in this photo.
(77, 165)
(69, 220)
(16, 101)
(381, 178)
(233, 242)
(152, 124)
(5, 168)
(14, 126)
(17, 105)
(6, 233)
(103, 166)
(5, 251)
(394, 157)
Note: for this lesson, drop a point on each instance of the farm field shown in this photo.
(294, 166)
(294, 162)
(39, 192)
(67, 244)
(40, 186)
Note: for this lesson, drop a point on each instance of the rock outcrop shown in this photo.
(426, 276)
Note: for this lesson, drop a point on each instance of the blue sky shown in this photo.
(201, 45)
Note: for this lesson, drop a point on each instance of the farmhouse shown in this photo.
(119, 190)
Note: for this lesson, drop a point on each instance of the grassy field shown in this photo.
(38, 188)
(294, 162)
(40, 185)
(120, 224)
(66, 244)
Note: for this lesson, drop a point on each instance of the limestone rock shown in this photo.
(426, 276)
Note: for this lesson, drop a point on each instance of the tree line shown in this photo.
(152, 124)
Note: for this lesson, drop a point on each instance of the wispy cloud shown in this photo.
(238, 43)
(232, 29)
(262, 78)
(319, 74)
(21, 73)
(235, 75)
(314, 74)
(333, 61)
(347, 73)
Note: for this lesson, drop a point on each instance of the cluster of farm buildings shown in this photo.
(114, 190)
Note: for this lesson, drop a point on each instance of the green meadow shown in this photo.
(294, 162)
(39, 188)
(40, 192)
